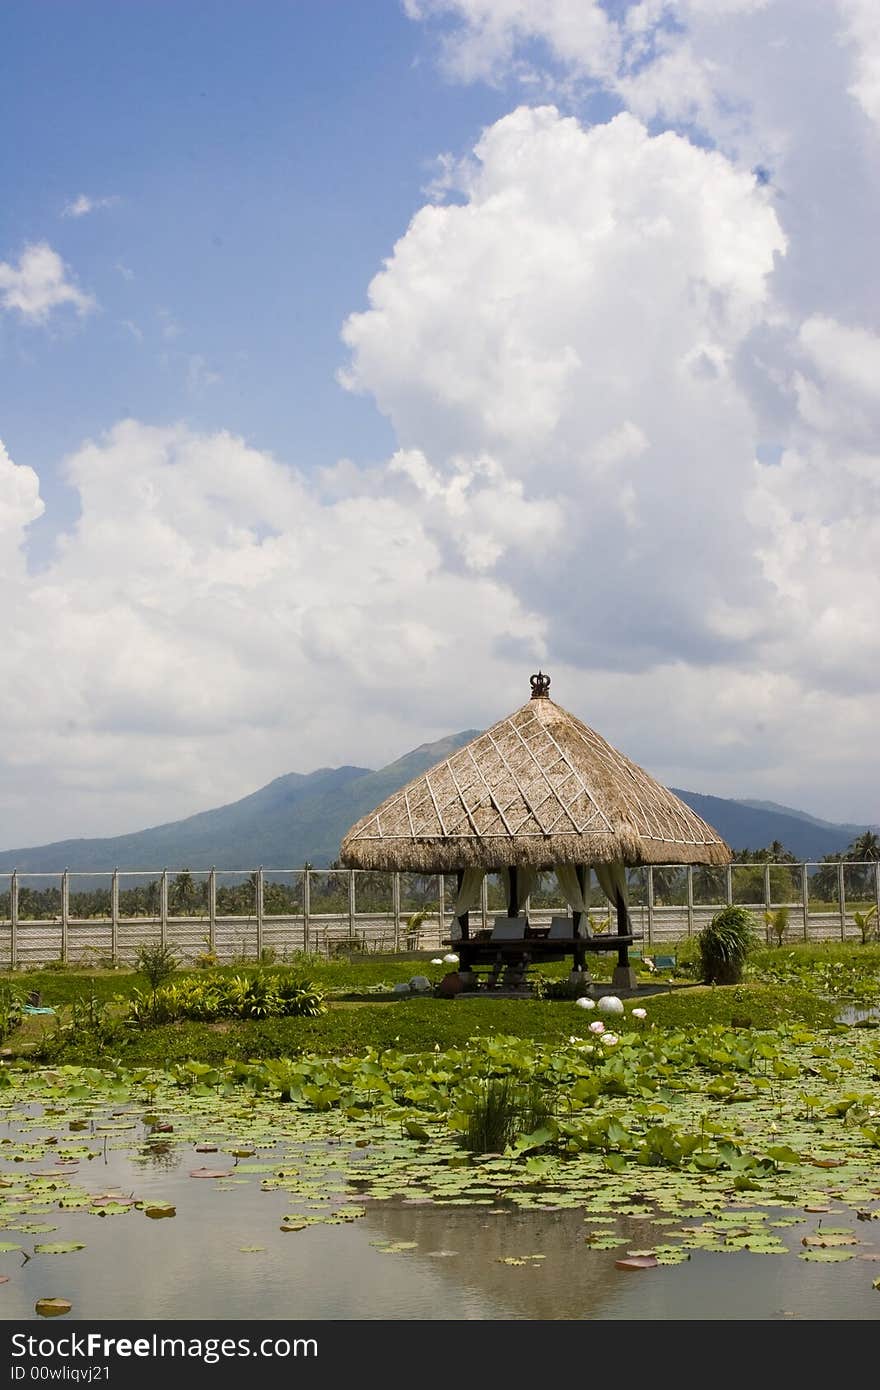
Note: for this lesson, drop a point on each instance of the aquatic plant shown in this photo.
(724, 944)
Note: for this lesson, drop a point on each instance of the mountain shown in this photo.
(852, 830)
(298, 818)
(753, 825)
(293, 819)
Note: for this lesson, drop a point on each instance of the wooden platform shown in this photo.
(534, 948)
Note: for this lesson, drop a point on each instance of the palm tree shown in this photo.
(865, 846)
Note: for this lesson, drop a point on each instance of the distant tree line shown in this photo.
(328, 890)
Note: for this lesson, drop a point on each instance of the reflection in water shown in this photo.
(224, 1254)
(159, 1153)
(469, 1246)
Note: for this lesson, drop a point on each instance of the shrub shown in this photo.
(724, 945)
(210, 997)
(158, 963)
(864, 922)
(777, 923)
(11, 999)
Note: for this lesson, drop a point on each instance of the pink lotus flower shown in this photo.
(640, 1013)
(597, 1027)
(609, 1039)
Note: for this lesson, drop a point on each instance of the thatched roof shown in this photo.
(538, 788)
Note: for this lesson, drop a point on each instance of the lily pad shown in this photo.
(637, 1262)
(58, 1247)
(52, 1307)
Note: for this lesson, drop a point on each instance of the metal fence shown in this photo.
(264, 914)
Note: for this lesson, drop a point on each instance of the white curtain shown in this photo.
(567, 878)
(468, 894)
(612, 881)
(525, 881)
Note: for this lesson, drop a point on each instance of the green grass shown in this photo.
(412, 1025)
(743, 1006)
(787, 984)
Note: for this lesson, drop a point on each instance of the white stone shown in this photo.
(610, 1004)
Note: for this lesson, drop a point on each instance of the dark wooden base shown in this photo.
(533, 950)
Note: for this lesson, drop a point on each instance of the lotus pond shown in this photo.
(732, 1172)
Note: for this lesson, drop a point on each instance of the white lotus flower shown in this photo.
(610, 1039)
(450, 959)
(640, 1013)
(610, 1004)
(584, 1003)
(597, 1027)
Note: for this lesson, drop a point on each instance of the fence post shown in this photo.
(13, 919)
(114, 917)
(441, 906)
(484, 902)
(163, 908)
(352, 903)
(212, 911)
(307, 905)
(728, 885)
(841, 893)
(65, 914)
(690, 898)
(260, 913)
(650, 896)
(805, 898)
(395, 906)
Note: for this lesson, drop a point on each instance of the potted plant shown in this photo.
(724, 945)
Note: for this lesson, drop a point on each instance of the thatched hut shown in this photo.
(539, 790)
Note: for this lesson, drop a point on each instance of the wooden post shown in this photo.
(650, 896)
(114, 917)
(395, 906)
(352, 903)
(622, 928)
(805, 900)
(163, 908)
(464, 921)
(212, 911)
(307, 905)
(690, 898)
(484, 903)
(441, 904)
(13, 919)
(513, 901)
(259, 906)
(65, 914)
(624, 976)
(580, 953)
(728, 886)
(841, 893)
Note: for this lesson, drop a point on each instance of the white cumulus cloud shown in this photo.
(38, 284)
(82, 204)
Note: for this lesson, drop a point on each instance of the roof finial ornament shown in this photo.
(540, 686)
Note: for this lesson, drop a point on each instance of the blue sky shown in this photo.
(358, 356)
(262, 160)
